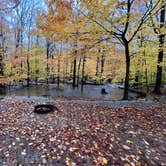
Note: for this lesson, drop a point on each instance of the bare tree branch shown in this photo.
(144, 18)
(12, 7)
(128, 17)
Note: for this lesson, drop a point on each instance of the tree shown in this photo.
(3, 45)
(120, 20)
(160, 31)
(56, 22)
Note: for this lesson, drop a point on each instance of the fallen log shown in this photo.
(142, 94)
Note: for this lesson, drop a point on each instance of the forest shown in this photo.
(98, 66)
(79, 42)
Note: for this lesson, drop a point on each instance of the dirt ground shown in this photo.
(82, 135)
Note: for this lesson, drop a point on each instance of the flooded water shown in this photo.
(90, 91)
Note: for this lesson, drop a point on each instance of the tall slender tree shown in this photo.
(161, 35)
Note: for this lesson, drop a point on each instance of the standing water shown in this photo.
(90, 91)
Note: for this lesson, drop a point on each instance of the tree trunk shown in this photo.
(102, 68)
(47, 67)
(126, 86)
(66, 71)
(97, 66)
(59, 64)
(1, 51)
(2, 89)
(28, 62)
(83, 73)
(28, 70)
(159, 66)
(146, 73)
(74, 72)
(102, 64)
(71, 70)
(36, 68)
(78, 72)
(52, 69)
(58, 71)
(63, 71)
(160, 54)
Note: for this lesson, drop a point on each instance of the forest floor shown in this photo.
(83, 134)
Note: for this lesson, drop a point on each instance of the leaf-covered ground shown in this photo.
(83, 135)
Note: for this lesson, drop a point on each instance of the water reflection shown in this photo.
(90, 91)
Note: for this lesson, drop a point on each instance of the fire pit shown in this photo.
(44, 108)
